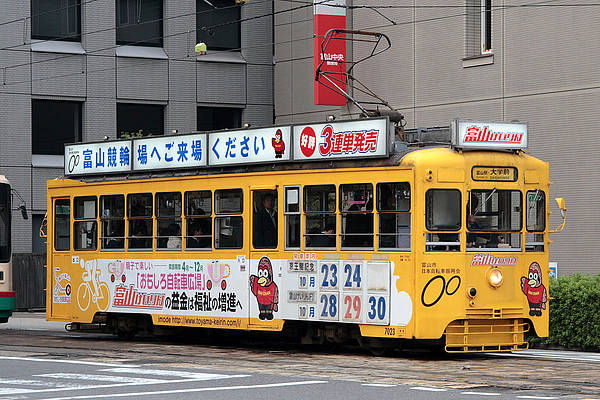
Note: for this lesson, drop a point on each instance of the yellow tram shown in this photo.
(340, 230)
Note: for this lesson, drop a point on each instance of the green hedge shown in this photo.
(574, 313)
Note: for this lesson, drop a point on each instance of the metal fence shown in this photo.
(29, 281)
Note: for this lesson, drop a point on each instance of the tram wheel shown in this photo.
(375, 346)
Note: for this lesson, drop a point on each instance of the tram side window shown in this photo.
(393, 206)
(356, 208)
(292, 217)
(228, 225)
(139, 217)
(536, 220)
(264, 219)
(198, 220)
(112, 234)
(319, 210)
(62, 223)
(85, 227)
(442, 216)
(168, 220)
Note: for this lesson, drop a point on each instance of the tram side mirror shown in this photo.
(23, 211)
(561, 204)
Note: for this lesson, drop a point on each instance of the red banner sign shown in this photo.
(328, 15)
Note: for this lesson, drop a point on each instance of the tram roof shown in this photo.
(370, 142)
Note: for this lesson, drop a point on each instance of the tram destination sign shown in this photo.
(346, 139)
(489, 135)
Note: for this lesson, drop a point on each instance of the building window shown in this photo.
(215, 118)
(54, 123)
(478, 30)
(147, 119)
(140, 22)
(218, 26)
(56, 20)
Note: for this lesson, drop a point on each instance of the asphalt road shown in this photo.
(58, 365)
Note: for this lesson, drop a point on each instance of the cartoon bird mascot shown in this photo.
(534, 290)
(265, 290)
(278, 144)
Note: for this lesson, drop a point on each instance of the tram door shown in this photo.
(61, 271)
(265, 267)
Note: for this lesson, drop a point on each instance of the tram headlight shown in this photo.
(495, 277)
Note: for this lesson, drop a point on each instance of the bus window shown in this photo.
(168, 220)
(494, 219)
(198, 222)
(356, 208)
(393, 206)
(86, 226)
(112, 234)
(319, 209)
(292, 217)
(228, 228)
(442, 213)
(139, 216)
(536, 220)
(62, 223)
(264, 219)
(5, 223)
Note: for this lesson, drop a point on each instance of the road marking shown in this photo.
(30, 382)
(61, 361)
(105, 378)
(191, 375)
(536, 397)
(378, 384)
(428, 389)
(482, 393)
(208, 389)
(171, 381)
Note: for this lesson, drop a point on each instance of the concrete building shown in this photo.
(498, 60)
(74, 70)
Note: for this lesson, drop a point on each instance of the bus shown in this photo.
(350, 230)
(7, 295)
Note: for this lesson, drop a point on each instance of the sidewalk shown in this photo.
(32, 321)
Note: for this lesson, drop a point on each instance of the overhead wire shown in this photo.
(305, 4)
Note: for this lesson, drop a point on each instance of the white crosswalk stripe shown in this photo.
(104, 378)
(121, 376)
(159, 372)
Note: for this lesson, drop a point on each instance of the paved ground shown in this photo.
(251, 364)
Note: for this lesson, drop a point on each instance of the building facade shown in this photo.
(84, 70)
(497, 60)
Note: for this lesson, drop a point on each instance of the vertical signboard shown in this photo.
(328, 15)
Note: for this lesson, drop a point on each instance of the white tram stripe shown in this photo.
(482, 393)
(428, 389)
(104, 378)
(206, 389)
(157, 372)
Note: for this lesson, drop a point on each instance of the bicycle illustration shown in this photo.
(91, 289)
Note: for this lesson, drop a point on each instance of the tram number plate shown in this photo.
(352, 308)
(377, 309)
(329, 306)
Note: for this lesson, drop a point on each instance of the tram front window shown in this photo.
(494, 220)
(4, 223)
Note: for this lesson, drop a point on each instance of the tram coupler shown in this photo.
(72, 327)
